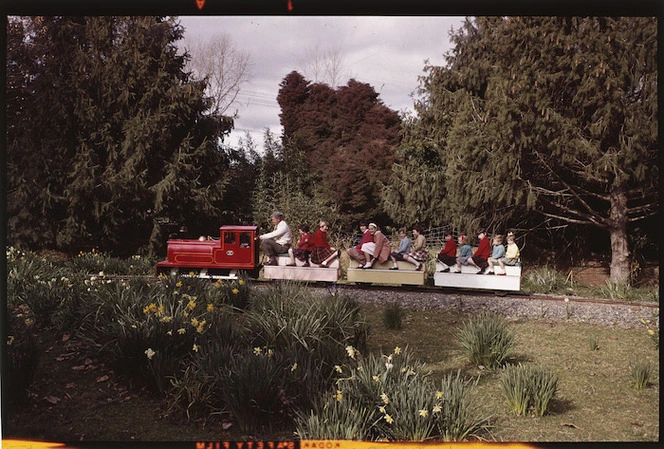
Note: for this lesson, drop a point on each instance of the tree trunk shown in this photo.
(619, 243)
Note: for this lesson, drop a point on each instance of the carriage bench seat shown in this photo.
(468, 278)
(380, 273)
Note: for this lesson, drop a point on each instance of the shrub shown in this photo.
(593, 342)
(528, 388)
(457, 418)
(22, 355)
(615, 290)
(391, 397)
(393, 315)
(250, 385)
(487, 340)
(639, 374)
(545, 280)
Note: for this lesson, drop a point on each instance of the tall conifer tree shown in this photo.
(113, 135)
(554, 114)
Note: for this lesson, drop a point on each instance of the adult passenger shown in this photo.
(379, 249)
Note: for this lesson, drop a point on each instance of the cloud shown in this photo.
(387, 52)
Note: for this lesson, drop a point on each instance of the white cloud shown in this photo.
(387, 52)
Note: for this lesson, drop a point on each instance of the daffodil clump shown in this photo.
(394, 399)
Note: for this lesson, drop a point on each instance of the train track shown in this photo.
(386, 289)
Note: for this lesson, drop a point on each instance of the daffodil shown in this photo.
(169, 332)
(257, 350)
(651, 332)
(376, 378)
(351, 351)
(437, 409)
(210, 308)
(385, 399)
(337, 368)
(389, 419)
(388, 366)
(181, 331)
(424, 413)
(294, 367)
(194, 322)
(178, 284)
(235, 291)
(166, 319)
(195, 347)
(397, 350)
(241, 282)
(439, 395)
(381, 409)
(192, 304)
(150, 353)
(339, 395)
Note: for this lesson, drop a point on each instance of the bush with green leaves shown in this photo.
(391, 397)
(528, 388)
(487, 340)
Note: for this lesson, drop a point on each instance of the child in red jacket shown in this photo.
(481, 256)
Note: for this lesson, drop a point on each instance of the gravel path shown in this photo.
(514, 307)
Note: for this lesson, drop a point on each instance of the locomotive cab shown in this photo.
(234, 251)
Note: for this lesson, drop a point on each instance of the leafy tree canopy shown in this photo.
(348, 139)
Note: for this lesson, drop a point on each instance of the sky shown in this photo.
(387, 52)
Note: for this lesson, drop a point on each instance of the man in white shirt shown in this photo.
(277, 241)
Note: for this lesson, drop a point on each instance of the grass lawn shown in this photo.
(73, 398)
(595, 401)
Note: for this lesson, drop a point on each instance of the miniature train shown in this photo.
(237, 250)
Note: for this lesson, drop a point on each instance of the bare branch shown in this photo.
(226, 68)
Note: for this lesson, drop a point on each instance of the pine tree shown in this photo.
(114, 135)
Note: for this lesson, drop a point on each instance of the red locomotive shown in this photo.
(236, 250)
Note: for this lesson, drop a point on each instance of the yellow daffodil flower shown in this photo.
(389, 419)
(210, 308)
(424, 413)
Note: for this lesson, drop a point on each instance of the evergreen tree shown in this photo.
(554, 114)
(112, 135)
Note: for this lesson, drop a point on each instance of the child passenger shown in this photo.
(447, 255)
(419, 253)
(465, 253)
(511, 255)
(403, 250)
(479, 259)
(323, 253)
(304, 247)
(498, 253)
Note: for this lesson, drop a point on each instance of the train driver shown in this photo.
(278, 241)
